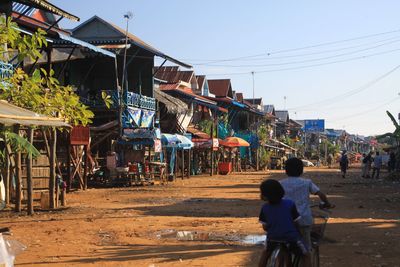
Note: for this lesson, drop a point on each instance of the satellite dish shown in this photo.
(128, 15)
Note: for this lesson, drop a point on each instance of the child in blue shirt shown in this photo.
(278, 218)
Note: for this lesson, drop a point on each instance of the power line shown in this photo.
(364, 112)
(298, 48)
(334, 99)
(301, 61)
(319, 52)
(308, 66)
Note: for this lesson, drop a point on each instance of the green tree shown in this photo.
(395, 135)
(40, 92)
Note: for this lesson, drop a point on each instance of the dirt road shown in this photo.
(138, 226)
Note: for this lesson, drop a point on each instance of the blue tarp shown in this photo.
(169, 140)
(176, 141)
(185, 143)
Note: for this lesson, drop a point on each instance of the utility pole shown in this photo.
(284, 102)
(124, 83)
(252, 74)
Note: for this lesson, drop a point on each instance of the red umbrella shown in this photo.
(234, 142)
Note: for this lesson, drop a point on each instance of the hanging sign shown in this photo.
(215, 143)
(157, 145)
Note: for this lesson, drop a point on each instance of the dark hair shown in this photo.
(294, 167)
(272, 190)
(377, 153)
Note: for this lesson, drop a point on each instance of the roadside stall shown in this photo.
(30, 174)
(171, 145)
(231, 161)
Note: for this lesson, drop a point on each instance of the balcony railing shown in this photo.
(132, 100)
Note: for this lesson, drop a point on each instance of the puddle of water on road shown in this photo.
(254, 239)
(210, 236)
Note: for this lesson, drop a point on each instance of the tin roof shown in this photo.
(270, 109)
(47, 6)
(172, 74)
(11, 115)
(118, 36)
(282, 115)
(256, 101)
(221, 87)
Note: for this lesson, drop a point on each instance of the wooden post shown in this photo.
(257, 159)
(85, 167)
(7, 178)
(212, 149)
(189, 162)
(69, 178)
(183, 163)
(176, 163)
(52, 181)
(18, 176)
(29, 179)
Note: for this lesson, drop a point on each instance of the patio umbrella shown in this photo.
(234, 142)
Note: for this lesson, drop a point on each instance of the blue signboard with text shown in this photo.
(314, 125)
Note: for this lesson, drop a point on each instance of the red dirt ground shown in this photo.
(127, 226)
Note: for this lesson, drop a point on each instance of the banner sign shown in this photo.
(147, 118)
(314, 126)
(134, 115)
(215, 143)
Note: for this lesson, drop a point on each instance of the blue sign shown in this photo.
(314, 125)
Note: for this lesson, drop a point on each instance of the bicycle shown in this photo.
(284, 255)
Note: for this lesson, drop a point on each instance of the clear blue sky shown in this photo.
(202, 31)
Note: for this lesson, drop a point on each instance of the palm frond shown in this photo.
(382, 136)
(21, 144)
(393, 119)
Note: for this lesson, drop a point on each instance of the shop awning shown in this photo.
(13, 115)
(185, 143)
(176, 140)
(169, 140)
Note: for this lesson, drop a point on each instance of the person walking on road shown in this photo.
(377, 165)
(366, 163)
(344, 163)
(330, 160)
(392, 161)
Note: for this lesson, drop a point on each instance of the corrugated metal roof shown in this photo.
(44, 5)
(270, 109)
(282, 115)
(21, 8)
(172, 74)
(11, 114)
(198, 133)
(256, 101)
(132, 39)
(219, 88)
